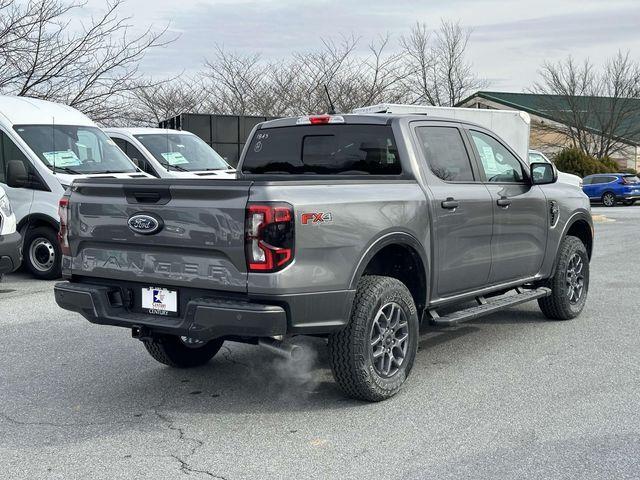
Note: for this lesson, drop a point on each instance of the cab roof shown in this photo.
(32, 111)
(366, 119)
(144, 130)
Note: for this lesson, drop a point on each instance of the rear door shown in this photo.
(520, 224)
(199, 242)
(461, 207)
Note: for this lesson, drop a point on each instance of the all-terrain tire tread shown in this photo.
(169, 351)
(555, 307)
(354, 381)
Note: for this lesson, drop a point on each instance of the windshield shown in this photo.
(631, 179)
(75, 149)
(182, 152)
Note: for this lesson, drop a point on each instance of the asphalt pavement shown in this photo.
(508, 396)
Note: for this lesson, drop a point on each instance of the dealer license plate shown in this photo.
(159, 301)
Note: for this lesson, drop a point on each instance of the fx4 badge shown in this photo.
(316, 218)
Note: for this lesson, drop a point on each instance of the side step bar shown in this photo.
(486, 306)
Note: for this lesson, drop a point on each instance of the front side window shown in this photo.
(184, 152)
(498, 163)
(9, 151)
(535, 157)
(75, 149)
(445, 153)
(323, 150)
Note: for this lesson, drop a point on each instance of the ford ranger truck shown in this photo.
(353, 228)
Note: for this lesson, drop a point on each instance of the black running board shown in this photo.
(487, 306)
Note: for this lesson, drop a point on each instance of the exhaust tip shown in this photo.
(287, 350)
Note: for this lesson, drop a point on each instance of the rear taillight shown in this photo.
(63, 233)
(269, 238)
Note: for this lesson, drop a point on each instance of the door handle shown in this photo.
(450, 204)
(503, 202)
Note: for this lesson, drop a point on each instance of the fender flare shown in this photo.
(38, 218)
(576, 217)
(390, 238)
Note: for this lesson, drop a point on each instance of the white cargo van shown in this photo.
(513, 126)
(510, 125)
(44, 146)
(168, 153)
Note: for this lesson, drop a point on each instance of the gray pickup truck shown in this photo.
(353, 228)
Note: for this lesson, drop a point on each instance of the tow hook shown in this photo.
(283, 349)
(141, 333)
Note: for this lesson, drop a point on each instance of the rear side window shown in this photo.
(444, 151)
(323, 150)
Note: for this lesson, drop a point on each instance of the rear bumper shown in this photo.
(203, 318)
(10, 252)
(629, 196)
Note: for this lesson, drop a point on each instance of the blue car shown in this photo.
(611, 188)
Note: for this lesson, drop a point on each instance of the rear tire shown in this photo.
(174, 352)
(369, 358)
(609, 199)
(570, 283)
(42, 255)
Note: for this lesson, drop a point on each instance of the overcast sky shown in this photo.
(510, 38)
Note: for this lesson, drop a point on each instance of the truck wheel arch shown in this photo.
(581, 229)
(578, 226)
(38, 220)
(397, 255)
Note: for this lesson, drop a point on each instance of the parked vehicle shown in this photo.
(10, 254)
(44, 147)
(512, 126)
(168, 153)
(536, 156)
(611, 188)
(349, 227)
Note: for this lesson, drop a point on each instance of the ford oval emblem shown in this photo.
(145, 224)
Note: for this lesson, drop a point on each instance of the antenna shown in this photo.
(53, 141)
(332, 109)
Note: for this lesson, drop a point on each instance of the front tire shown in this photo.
(373, 355)
(570, 283)
(182, 352)
(42, 255)
(609, 199)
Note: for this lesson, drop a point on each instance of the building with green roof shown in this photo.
(553, 115)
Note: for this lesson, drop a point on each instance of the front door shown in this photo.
(21, 198)
(461, 208)
(519, 211)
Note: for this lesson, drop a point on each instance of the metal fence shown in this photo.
(226, 134)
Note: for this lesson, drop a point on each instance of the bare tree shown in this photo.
(439, 73)
(153, 101)
(425, 68)
(596, 109)
(91, 69)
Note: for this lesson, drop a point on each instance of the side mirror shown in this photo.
(136, 162)
(543, 173)
(17, 176)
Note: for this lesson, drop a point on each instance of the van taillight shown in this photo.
(63, 233)
(269, 238)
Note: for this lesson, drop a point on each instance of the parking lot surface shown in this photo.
(508, 396)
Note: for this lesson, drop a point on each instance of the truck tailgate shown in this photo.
(199, 242)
